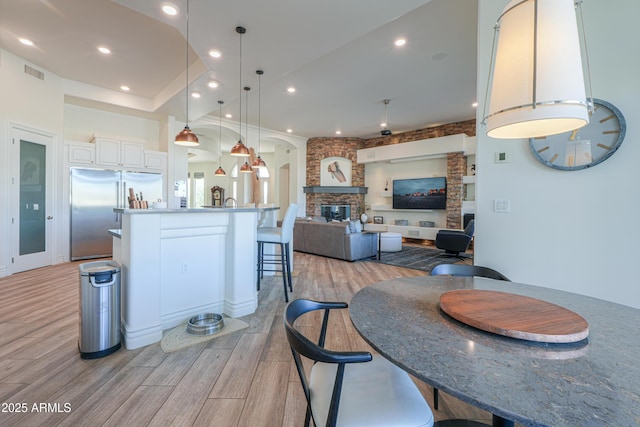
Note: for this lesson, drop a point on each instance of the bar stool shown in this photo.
(278, 236)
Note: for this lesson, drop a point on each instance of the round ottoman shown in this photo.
(390, 242)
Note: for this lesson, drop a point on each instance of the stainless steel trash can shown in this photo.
(99, 309)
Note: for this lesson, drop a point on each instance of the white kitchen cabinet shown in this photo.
(113, 152)
(82, 153)
(156, 160)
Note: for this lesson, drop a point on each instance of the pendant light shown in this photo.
(240, 150)
(186, 138)
(536, 77)
(220, 171)
(258, 163)
(385, 131)
(246, 168)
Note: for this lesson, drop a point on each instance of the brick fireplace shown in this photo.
(324, 147)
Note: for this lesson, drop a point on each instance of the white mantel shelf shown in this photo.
(335, 190)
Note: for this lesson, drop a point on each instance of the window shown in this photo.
(197, 195)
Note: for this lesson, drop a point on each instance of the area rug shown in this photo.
(178, 338)
(416, 257)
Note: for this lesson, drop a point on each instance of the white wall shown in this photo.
(575, 231)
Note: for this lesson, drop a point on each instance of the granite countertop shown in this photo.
(593, 382)
(189, 210)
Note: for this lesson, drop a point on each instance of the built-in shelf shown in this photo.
(471, 179)
(386, 193)
(390, 208)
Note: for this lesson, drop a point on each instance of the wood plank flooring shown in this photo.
(242, 379)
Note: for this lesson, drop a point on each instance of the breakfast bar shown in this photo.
(177, 263)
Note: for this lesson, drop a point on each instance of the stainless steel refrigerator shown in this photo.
(94, 195)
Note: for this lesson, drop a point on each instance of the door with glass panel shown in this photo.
(31, 199)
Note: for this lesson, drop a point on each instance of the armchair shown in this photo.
(453, 242)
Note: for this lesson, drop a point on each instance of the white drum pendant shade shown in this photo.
(538, 84)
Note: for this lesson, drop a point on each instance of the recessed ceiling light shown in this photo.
(195, 94)
(215, 53)
(291, 89)
(169, 9)
(289, 130)
(383, 124)
(104, 50)
(228, 115)
(125, 88)
(26, 42)
(400, 42)
(474, 105)
(338, 132)
(212, 84)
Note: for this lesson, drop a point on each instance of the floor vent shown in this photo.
(33, 72)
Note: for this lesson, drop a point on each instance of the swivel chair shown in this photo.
(351, 388)
(278, 236)
(453, 242)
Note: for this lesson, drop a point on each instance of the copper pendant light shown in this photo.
(220, 171)
(246, 167)
(240, 149)
(258, 163)
(185, 137)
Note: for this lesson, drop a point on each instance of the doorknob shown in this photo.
(49, 217)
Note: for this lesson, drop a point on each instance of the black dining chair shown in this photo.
(349, 388)
(467, 271)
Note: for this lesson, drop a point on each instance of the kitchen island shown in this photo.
(176, 263)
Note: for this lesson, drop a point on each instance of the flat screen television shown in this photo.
(420, 193)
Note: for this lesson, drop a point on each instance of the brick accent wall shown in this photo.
(323, 147)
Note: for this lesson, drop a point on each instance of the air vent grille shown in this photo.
(33, 72)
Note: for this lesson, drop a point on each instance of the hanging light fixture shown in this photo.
(220, 171)
(246, 168)
(258, 163)
(537, 81)
(385, 131)
(187, 138)
(240, 149)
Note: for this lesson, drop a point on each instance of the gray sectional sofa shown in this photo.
(333, 239)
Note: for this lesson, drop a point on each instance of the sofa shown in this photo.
(333, 239)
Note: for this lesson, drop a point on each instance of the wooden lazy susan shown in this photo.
(514, 316)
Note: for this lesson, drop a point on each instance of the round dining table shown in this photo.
(592, 382)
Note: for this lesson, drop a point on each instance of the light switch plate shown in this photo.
(502, 205)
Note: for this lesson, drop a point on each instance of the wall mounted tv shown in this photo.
(420, 193)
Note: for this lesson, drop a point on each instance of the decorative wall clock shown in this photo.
(584, 147)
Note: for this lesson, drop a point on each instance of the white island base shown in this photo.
(176, 263)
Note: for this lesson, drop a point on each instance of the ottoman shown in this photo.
(390, 242)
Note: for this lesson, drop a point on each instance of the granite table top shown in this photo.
(593, 382)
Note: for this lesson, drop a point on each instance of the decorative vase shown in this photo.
(364, 218)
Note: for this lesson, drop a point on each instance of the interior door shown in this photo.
(31, 199)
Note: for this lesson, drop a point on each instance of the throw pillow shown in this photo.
(358, 226)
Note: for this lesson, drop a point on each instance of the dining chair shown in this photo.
(468, 271)
(351, 388)
(278, 236)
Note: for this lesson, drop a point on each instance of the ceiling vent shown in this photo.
(33, 72)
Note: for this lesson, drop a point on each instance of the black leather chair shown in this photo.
(468, 271)
(453, 242)
(346, 388)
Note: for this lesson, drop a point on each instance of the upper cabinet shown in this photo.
(82, 153)
(155, 160)
(113, 152)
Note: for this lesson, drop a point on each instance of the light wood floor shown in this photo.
(241, 379)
